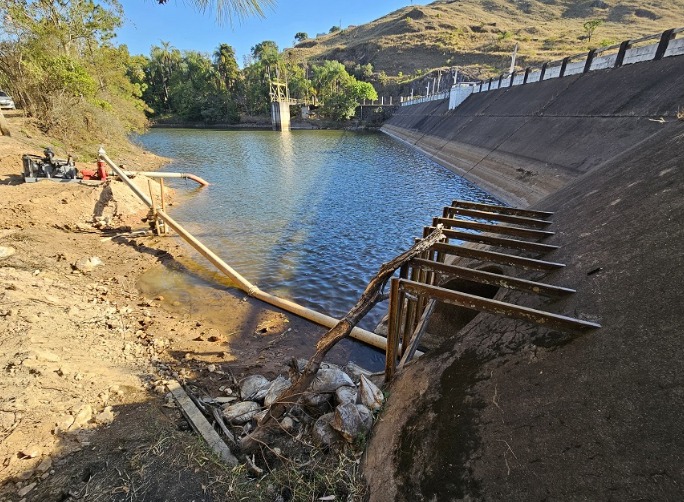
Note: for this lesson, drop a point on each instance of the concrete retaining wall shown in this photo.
(522, 143)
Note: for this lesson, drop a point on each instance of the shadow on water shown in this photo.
(309, 215)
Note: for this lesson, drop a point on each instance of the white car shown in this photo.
(6, 103)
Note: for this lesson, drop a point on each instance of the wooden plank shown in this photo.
(495, 229)
(500, 258)
(494, 216)
(502, 209)
(473, 302)
(503, 281)
(200, 424)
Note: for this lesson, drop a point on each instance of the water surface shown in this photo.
(307, 215)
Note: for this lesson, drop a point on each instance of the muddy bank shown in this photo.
(525, 142)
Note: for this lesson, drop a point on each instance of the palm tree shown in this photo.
(226, 9)
(226, 66)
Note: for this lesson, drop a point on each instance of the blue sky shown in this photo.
(180, 23)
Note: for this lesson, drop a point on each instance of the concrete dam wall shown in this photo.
(505, 410)
(524, 142)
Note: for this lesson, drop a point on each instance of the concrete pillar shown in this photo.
(280, 115)
(305, 111)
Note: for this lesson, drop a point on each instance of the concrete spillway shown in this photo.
(523, 143)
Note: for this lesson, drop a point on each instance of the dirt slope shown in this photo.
(478, 36)
(83, 352)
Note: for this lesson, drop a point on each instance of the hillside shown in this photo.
(478, 36)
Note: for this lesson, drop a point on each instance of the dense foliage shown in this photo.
(196, 87)
(57, 60)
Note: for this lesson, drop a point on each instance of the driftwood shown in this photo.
(370, 297)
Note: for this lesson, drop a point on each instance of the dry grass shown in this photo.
(479, 35)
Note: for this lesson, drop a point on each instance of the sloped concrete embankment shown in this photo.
(504, 410)
(509, 411)
(525, 142)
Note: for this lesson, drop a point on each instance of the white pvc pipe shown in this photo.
(155, 174)
(246, 286)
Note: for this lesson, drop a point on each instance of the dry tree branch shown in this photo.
(370, 297)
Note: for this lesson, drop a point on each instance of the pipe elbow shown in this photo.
(196, 179)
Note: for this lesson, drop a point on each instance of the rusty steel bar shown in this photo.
(412, 345)
(501, 258)
(392, 330)
(482, 277)
(481, 304)
(490, 215)
(499, 241)
(413, 304)
(496, 229)
(501, 209)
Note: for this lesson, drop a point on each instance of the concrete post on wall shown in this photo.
(459, 93)
(280, 115)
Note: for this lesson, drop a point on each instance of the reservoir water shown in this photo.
(307, 215)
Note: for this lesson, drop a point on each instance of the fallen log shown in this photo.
(370, 297)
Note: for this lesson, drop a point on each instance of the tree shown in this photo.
(58, 61)
(339, 92)
(226, 66)
(226, 9)
(164, 62)
(590, 27)
(334, 29)
(301, 36)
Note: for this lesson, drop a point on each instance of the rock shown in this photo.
(31, 452)
(254, 387)
(105, 417)
(226, 399)
(287, 424)
(275, 324)
(45, 465)
(88, 264)
(355, 371)
(348, 422)
(26, 475)
(46, 356)
(25, 490)
(82, 417)
(316, 404)
(366, 416)
(346, 395)
(322, 432)
(7, 419)
(276, 389)
(369, 394)
(240, 413)
(329, 380)
(6, 252)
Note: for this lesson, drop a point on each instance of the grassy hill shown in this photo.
(479, 35)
